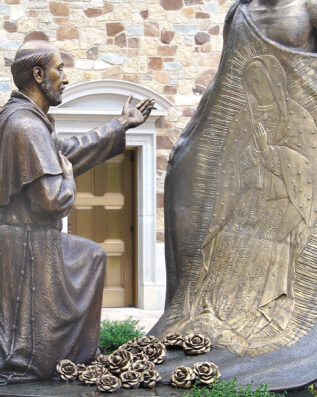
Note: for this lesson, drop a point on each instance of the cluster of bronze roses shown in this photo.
(133, 364)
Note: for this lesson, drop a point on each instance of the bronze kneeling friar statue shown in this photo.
(51, 283)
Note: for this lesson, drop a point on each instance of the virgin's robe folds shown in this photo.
(198, 210)
(51, 283)
(202, 192)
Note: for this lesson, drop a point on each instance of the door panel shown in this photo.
(103, 213)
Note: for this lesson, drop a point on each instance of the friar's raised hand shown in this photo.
(133, 116)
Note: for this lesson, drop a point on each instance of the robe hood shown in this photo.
(25, 137)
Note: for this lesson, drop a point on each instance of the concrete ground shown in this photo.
(147, 318)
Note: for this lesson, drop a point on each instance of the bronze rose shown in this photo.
(67, 370)
(99, 368)
(173, 340)
(206, 372)
(119, 361)
(131, 346)
(108, 383)
(144, 341)
(89, 377)
(150, 378)
(182, 377)
(133, 341)
(156, 352)
(196, 344)
(81, 368)
(141, 366)
(140, 356)
(131, 379)
(102, 359)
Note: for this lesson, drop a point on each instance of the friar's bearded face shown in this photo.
(54, 97)
(54, 81)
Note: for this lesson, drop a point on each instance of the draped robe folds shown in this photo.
(203, 189)
(296, 200)
(51, 283)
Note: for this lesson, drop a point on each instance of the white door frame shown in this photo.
(88, 104)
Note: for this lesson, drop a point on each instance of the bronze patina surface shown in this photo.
(50, 283)
(56, 388)
(241, 199)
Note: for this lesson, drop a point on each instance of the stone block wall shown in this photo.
(171, 46)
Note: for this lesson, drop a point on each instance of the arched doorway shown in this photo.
(88, 104)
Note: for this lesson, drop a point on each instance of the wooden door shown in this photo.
(103, 213)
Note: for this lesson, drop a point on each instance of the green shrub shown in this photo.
(229, 389)
(115, 333)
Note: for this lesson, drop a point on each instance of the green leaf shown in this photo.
(229, 389)
(115, 333)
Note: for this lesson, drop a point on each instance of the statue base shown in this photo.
(281, 373)
(288, 368)
(57, 388)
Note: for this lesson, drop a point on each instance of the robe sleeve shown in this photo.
(88, 150)
(27, 153)
(52, 195)
(298, 176)
(248, 159)
(272, 163)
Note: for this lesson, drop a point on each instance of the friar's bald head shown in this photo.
(29, 55)
(38, 72)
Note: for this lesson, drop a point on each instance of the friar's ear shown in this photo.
(38, 74)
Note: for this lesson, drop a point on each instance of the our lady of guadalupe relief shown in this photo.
(264, 209)
(241, 199)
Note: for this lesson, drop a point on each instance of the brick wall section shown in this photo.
(171, 46)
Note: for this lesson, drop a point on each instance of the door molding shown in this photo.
(88, 104)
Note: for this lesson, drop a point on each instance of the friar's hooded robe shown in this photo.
(51, 283)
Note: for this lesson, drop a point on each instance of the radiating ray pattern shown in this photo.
(199, 159)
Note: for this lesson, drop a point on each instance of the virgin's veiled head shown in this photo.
(264, 81)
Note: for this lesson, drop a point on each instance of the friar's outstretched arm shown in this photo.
(88, 150)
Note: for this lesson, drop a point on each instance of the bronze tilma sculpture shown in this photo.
(241, 202)
(50, 283)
